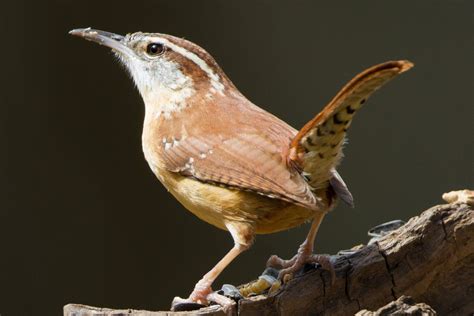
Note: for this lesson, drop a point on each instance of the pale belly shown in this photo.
(219, 205)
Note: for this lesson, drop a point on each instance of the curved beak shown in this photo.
(111, 40)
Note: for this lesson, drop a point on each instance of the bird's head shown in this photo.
(167, 70)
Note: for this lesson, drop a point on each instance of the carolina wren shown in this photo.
(229, 162)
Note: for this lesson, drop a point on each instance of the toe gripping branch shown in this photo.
(271, 280)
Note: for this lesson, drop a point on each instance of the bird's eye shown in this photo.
(155, 49)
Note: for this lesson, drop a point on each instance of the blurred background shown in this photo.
(83, 219)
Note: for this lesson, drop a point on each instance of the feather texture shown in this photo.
(317, 148)
(242, 148)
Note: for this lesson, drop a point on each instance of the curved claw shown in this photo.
(278, 263)
(197, 299)
(227, 304)
(201, 291)
(181, 304)
(325, 262)
(290, 267)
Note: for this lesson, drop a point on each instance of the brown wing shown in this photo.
(240, 147)
(317, 148)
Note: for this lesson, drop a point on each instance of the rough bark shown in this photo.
(430, 258)
(405, 305)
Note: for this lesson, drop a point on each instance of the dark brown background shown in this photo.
(83, 219)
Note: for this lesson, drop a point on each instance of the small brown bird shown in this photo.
(228, 161)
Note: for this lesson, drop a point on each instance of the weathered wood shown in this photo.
(405, 305)
(431, 259)
(84, 310)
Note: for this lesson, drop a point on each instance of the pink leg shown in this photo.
(203, 287)
(243, 236)
(304, 255)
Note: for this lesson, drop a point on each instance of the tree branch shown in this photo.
(405, 305)
(428, 258)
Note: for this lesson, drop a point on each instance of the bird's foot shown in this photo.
(184, 304)
(202, 296)
(197, 299)
(289, 267)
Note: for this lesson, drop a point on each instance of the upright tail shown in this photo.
(317, 148)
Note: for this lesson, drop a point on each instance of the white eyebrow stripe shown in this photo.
(215, 79)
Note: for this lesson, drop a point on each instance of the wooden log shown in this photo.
(84, 310)
(404, 305)
(430, 258)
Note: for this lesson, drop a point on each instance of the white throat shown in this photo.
(162, 85)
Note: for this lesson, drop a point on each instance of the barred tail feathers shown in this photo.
(317, 148)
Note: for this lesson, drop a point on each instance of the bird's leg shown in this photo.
(203, 287)
(304, 255)
(202, 293)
